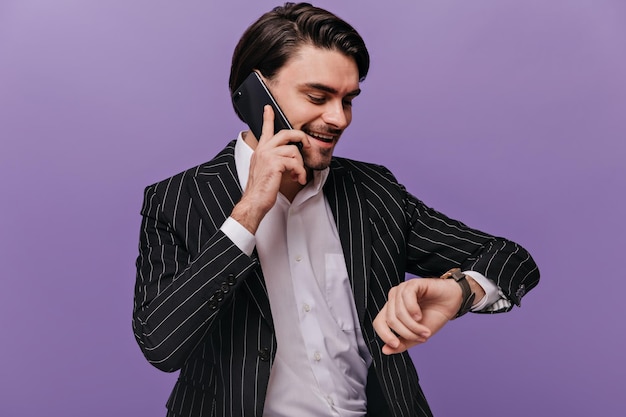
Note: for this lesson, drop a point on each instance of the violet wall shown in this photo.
(509, 115)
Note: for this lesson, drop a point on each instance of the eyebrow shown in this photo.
(330, 90)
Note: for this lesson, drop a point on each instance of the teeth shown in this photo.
(322, 137)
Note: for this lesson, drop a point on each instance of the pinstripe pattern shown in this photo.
(201, 306)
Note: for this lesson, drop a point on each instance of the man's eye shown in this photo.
(317, 99)
(347, 103)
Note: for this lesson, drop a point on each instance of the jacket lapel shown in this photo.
(348, 206)
(216, 190)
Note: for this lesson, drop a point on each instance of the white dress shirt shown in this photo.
(321, 363)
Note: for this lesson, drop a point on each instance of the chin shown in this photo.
(318, 163)
(318, 167)
(318, 160)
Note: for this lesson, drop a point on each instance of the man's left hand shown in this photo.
(416, 309)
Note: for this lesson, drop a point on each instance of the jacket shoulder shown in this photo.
(223, 160)
(375, 178)
(365, 171)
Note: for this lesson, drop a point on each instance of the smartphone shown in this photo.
(250, 98)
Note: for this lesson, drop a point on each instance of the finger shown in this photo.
(410, 299)
(285, 158)
(306, 143)
(292, 137)
(402, 314)
(402, 326)
(286, 150)
(301, 139)
(392, 320)
(383, 331)
(296, 167)
(393, 342)
(268, 122)
(390, 350)
(292, 161)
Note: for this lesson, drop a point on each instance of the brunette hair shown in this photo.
(276, 36)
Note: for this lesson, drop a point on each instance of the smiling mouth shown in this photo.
(322, 137)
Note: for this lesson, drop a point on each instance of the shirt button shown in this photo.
(298, 258)
(307, 308)
(317, 357)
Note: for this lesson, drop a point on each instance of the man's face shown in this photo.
(315, 89)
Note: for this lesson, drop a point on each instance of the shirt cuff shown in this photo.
(240, 236)
(492, 291)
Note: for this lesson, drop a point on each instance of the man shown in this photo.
(273, 277)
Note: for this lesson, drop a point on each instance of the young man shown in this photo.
(273, 277)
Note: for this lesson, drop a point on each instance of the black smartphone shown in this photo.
(250, 98)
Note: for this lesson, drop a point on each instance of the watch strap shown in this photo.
(467, 294)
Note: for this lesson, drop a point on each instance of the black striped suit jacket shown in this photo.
(201, 305)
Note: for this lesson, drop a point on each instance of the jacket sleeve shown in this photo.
(185, 278)
(437, 243)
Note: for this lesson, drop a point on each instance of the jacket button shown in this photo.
(264, 354)
(231, 280)
(224, 287)
(213, 303)
(521, 290)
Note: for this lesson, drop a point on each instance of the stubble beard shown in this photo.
(320, 161)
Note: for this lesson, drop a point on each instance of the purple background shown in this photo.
(510, 115)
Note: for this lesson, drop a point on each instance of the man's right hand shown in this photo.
(275, 166)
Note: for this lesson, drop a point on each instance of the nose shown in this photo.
(336, 114)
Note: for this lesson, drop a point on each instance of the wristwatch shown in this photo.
(468, 295)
